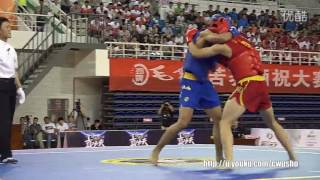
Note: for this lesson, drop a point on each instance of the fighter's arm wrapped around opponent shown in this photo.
(217, 49)
(207, 36)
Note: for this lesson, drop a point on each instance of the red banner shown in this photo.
(163, 76)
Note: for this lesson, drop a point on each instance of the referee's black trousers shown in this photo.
(7, 108)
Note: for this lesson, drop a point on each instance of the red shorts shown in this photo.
(253, 95)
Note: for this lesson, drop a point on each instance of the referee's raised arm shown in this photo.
(10, 91)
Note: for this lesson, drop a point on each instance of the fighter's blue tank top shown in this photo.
(199, 67)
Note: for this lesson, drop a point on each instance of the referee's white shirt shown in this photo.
(8, 60)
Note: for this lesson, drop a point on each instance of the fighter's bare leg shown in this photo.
(281, 134)
(215, 114)
(185, 116)
(231, 112)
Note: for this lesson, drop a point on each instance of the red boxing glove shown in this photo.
(191, 32)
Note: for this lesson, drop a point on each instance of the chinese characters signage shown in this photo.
(294, 15)
(163, 76)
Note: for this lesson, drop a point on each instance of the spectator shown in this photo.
(62, 126)
(115, 24)
(26, 133)
(36, 133)
(180, 20)
(97, 125)
(206, 18)
(217, 11)
(42, 9)
(244, 11)
(135, 12)
(210, 11)
(87, 123)
(49, 130)
(262, 21)
(141, 28)
(290, 26)
(167, 30)
(272, 19)
(75, 10)
(179, 39)
(170, 13)
(72, 123)
(243, 22)
(252, 18)
(225, 11)
(166, 112)
(65, 6)
(186, 8)
(146, 13)
(24, 124)
(101, 9)
(234, 15)
(178, 10)
(86, 8)
(267, 17)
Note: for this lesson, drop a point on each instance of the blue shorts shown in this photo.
(198, 95)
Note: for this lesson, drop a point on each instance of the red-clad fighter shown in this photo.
(251, 92)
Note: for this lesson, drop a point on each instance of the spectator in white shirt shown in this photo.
(135, 11)
(179, 39)
(146, 13)
(101, 9)
(114, 24)
(49, 129)
(140, 28)
(62, 126)
(180, 19)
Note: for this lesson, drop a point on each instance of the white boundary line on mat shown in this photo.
(148, 149)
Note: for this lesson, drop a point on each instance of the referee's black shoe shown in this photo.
(8, 160)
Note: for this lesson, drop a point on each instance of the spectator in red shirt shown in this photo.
(86, 8)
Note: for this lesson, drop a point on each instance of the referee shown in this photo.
(10, 90)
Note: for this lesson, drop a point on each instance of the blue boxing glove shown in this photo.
(234, 31)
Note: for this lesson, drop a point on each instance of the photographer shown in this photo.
(166, 112)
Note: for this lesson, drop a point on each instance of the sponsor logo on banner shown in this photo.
(311, 138)
(302, 138)
(164, 76)
(266, 137)
(94, 138)
(186, 137)
(138, 138)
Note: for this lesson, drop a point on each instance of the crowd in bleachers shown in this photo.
(144, 21)
(46, 133)
(138, 21)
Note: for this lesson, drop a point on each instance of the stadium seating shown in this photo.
(126, 110)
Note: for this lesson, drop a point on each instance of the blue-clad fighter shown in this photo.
(197, 92)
